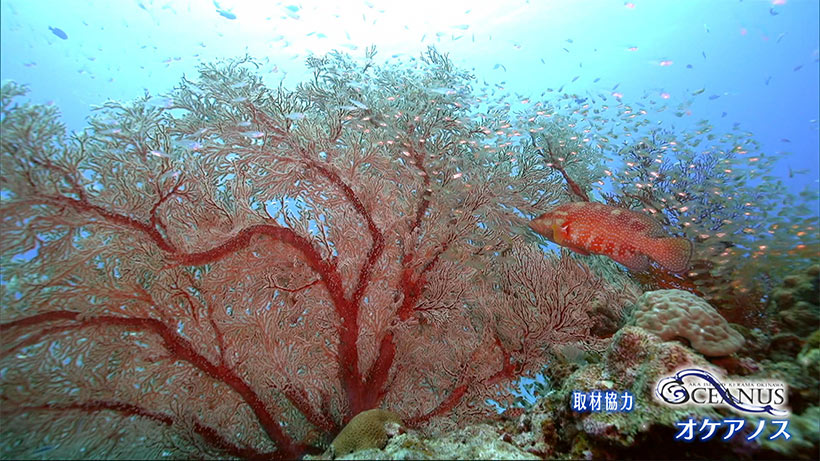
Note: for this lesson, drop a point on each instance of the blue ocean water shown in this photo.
(747, 65)
(756, 62)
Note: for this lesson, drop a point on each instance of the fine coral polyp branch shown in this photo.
(454, 398)
(83, 205)
(179, 349)
(377, 245)
(209, 434)
(557, 163)
(330, 277)
(300, 399)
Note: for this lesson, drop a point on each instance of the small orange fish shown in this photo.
(628, 237)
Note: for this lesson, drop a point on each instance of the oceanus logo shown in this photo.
(699, 387)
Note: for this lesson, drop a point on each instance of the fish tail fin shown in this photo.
(673, 253)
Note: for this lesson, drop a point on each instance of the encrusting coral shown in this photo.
(676, 313)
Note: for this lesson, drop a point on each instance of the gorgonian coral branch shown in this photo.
(180, 349)
(83, 205)
(209, 434)
(326, 270)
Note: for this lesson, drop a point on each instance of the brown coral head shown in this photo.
(369, 429)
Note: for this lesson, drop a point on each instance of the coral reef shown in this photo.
(550, 429)
(792, 351)
(480, 441)
(248, 267)
(796, 304)
(369, 429)
(805, 436)
(809, 356)
(634, 361)
(240, 271)
(679, 314)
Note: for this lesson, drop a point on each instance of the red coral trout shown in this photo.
(628, 237)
